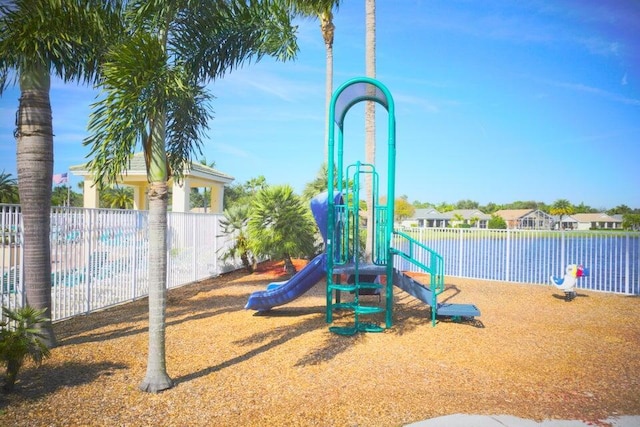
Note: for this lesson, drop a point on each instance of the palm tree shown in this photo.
(458, 219)
(318, 185)
(206, 193)
(38, 38)
(321, 182)
(445, 207)
(370, 117)
(119, 197)
(280, 226)
(254, 185)
(20, 338)
(322, 9)
(235, 223)
(60, 195)
(8, 188)
(561, 207)
(154, 97)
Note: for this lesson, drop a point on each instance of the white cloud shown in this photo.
(579, 87)
(281, 82)
(231, 149)
(418, 102)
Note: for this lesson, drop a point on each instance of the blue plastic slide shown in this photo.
(283, 292)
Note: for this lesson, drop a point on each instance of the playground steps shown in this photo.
(360, 281)
(367, 273)
(358, 308)
(352, 330)
(458, 310)
(424, 294)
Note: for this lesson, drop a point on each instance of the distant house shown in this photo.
(594, 221)
(429, 218)
(472, 217)
(530, 219)
(432, 218)
(567, 223)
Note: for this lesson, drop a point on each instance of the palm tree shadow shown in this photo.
(35, 383)
(291, 312)
(181, 311)
(333, 346)
(273, 338)
(268, 340)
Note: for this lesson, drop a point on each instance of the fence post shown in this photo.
(134, 265)
(562, 251)
(460, 251)
(23, 291)
(627, 261)
(507, 257)
(194, 234)
(216, 223)
(88, 258)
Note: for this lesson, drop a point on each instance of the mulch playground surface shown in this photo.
(536, 357)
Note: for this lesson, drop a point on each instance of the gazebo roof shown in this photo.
(199, 175)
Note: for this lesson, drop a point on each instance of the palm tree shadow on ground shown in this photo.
(33, 384)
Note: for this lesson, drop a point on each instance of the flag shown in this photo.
(60, 178)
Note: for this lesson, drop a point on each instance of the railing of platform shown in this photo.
(532, 256)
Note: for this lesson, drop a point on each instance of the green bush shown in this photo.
(20, 338)
(497, 222)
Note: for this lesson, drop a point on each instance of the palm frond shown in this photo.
(70, 36)
(216, 37)
(134, 80)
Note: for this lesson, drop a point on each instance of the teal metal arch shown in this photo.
(346, 96)
(350, 93)
(357, 90)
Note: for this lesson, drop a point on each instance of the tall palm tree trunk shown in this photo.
(34, 135)
(328, 31)
(156, 378)
(370, 120)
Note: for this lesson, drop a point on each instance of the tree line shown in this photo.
(491, 208)
(121, 197)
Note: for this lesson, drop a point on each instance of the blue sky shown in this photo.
(496, 101)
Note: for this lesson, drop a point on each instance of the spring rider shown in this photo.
(568, 283)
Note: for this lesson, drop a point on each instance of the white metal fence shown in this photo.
(530, 256)
(99, 256)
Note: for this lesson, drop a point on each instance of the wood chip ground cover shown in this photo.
(537, 357)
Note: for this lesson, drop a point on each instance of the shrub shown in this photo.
(20, 338)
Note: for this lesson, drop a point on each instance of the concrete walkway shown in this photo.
(461, 420)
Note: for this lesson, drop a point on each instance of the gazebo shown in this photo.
(195, 176)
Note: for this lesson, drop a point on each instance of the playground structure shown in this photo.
(338, 214)
(567, 284)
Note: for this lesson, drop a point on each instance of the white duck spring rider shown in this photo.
(568, 282)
